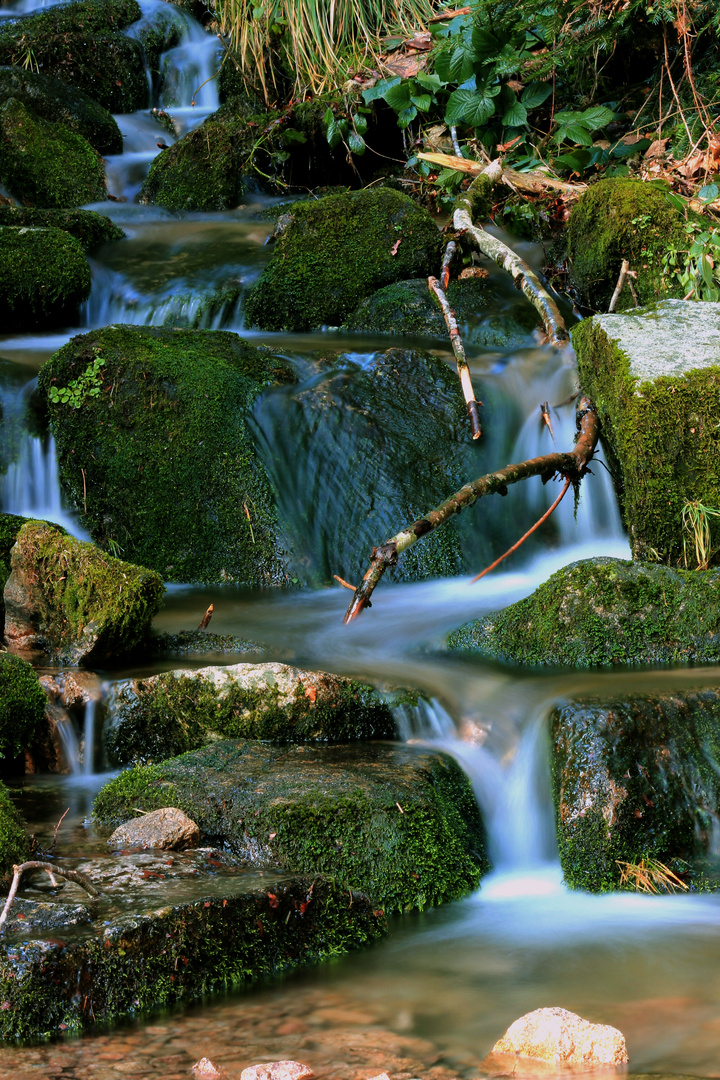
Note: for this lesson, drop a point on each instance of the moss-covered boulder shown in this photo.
(600, 612)
(55, 101)
(44, 277)
(22, 708)
(14, 841)
(331, 253)
(175, 952)
(45, 164)
(89, 228)
(397, 822)
(408, 307)
(654, 376)
(79, 44)
(623, 219)
(166, 715)
(170, 470)
(634, 778)
(74, 603)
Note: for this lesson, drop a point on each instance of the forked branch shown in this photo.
(52, 872)
(572, 465)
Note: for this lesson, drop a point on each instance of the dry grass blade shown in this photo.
(696, 524)
(650, 876)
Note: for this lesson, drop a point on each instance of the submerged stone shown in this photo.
(634, 779)
(71, 601)
(561, 1037)
(654, 376)
(89, 228)
(397, 822)
(44, 277)
(600, 612)
(170, 469)
(331, 253)
(165, 715)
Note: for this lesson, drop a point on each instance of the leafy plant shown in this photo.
(347, 127)
(696, 527)
(88, 384)
(650, 876)
(697, 267)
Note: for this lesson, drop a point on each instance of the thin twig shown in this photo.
(55, 830)
(522, 539)
(546, 418)
(447, 260)
(345, 584)
(456, 144)
(620, 285)
(460, 358)
(205, 621)
(70, 875)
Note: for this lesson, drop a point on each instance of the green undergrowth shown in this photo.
(14, 843)
(22, 709)
(44, 277)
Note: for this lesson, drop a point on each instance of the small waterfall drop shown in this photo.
(69, 743)
(89, 737)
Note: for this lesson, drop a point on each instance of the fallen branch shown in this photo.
(524, 278)
(522, 539)
(459, 351)
(571, 465)
(450, 14)
(51, 871)
(205, 621)
(530, 182)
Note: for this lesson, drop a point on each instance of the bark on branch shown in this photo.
(458, 348)
(531, 182)
(572, 465)
(52, 872)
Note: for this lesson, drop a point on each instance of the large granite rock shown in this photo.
(563, 1038)
(654, 376)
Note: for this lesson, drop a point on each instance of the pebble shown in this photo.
(278, 1070)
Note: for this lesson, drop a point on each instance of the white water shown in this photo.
(89, 737)
(68, 741)
(31, 486)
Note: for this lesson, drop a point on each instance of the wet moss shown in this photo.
(53, 100)
(327, 810)
(354, 244)
(168, 460)
(22, 709)
(85, 604)
(178, 953)
(602, 612)
(44, 277)
(633, 779)
(89, 228)
(14, 843)
(619, 219)
(45, 164)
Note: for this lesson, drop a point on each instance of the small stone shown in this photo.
(168, 829)
(559, 1036)
(380, 1076)
(278, 1070)
(205, 1070)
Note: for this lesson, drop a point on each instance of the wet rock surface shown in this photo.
(168, 829)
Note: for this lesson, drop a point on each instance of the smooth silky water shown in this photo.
(431, 1000)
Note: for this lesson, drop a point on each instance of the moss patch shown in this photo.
(55, 101)
(89, 228)
(601, 612)
(325, 810)
(44, 277)
(45, 164)
(22, 709)
(14, 844)
(623, 219)
(80, 603)
(168, 460)
(333, 252)
(634, 778)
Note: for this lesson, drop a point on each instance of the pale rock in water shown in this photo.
(168, 829)
(205, 1070)
(559, 1036)
(278, 1070)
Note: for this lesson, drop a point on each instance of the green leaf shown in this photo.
(535, 93)
(628, 150)
(707, 272)
(328, 116)
(675, 201)
(374, 93)
(422, 102)
(577, 161)
(455, 65)
(484, 45)
(515, 116)
(709, 193)
(359, 123)
(473, 106)
(356, 143)
(334, 135)
(406, 116)
(597, 117)
(428, 82)
(398, 97)
(575, 132)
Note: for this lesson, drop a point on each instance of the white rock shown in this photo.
(205, 1070)
(278, 1070)
(559, 1036)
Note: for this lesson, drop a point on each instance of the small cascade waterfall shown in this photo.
(69, 743)
(31, 487)
(114, 299)
(89, 737)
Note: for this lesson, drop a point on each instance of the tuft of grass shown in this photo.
(649, 876)
(696, 530)
(312, 45)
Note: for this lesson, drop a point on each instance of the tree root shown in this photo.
(52, 872)
(572, 466)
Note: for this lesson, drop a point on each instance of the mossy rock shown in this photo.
(634, 778)
(10, 526)
(331, 253)
(44, 277)
(14, 842)
(654, 375)
(167, 456)
(325, 810)
(55, 101)
(73, 602)
(623, 219)
(47, 165)
(601, 612)
(166, 715)
(79, 44)
(162, 645)
(89, 228)
(22, 709)
(408, 307)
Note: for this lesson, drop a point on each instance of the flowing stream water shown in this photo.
(432, 999)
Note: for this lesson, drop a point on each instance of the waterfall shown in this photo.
(89, 737)
(31, 486)
(69, 742)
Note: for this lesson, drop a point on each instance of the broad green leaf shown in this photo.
(675, 200)
(334, 135)
(356, 143)
(475, 107)
(328, 116)
(455, 65)
(398, 97)
(374, 93)
(574, 132)
(515, 116)
(292, 135)
(484, 45)
(628, 150)
(428, 82)
(597, 117)
(707, 271)
(422, 102)
(709, 193)
(535, 93)
(577, 161)
(360, 123)
(406, 116)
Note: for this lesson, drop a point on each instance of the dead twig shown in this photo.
(460, 358)
(206, 618)
(446, 263)
(50, 870)
(522, 539)
(546, 418)
(572, 465)
(57, 827)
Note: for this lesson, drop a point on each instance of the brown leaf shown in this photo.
(395, 246)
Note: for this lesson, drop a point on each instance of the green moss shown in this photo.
(201, 171)
(634, 778)
(46, 164)
(14, 844)
(353, 244)
(55, 101)
(78, 43)
(179, 953)
(327, 810)
(84, 603)
(663, 436)
(44, 277)
(601, 612)
(478, 199)
(89, 228)
(22, 708)
(10, 526)
(623, 219)
(168, 461)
